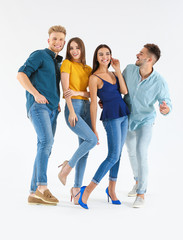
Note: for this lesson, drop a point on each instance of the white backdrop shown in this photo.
(125, 26)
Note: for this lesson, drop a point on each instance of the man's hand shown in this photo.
(39, 98)
(100, 104)
(164, 109)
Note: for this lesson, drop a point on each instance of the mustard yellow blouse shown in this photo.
(79, 76)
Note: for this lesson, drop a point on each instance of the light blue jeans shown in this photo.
(137, 143)
(44, 121)
(87, 138)
(116, 130)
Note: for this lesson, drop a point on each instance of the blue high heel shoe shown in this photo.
(81, 203)
(117, 202)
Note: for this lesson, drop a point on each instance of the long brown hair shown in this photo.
(81, 47)
(95, 61)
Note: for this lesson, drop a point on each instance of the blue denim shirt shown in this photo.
(43, 70)
(142, 95)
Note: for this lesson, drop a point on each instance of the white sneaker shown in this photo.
(139, 202)
(133, 192)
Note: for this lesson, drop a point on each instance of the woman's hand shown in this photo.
(72, 119)
(70, 93)
(59, 108)
(115, 64)
(96, 133)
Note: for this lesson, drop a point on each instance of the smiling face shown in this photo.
(75, 52)
(56, 41)
(104, 56)
(143, 57)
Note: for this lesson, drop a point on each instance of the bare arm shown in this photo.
(65, 86)
(26, 83)
(70, 93)
(116, 65)
(93, 105)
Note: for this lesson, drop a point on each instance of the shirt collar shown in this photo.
(52, 54)
(153, 72)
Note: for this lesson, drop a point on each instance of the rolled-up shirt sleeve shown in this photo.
(32, 64)
(164, 95)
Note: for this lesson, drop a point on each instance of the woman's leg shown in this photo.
(114, 170)
(113, 130)
(81, 164)
(80, 168)
(124, 128)
(84, 132)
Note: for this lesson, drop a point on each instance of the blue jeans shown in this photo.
(44, 122)
(116, 130)
(87, 138)
(137, 143)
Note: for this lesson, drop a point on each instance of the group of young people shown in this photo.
(129, 119)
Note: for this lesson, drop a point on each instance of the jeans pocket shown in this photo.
(30, 110)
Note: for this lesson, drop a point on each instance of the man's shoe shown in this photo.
(37, 201)
(133, 192)
(139, 202)
(46, 196)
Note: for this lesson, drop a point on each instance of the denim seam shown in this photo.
(41, 183)
(109, 163)
(112, 179)
(141, 191)
(93, 180)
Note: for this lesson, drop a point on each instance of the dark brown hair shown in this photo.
(95, 61)
(81, 47)
(153, 49)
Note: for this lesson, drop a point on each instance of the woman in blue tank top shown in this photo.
(108, 86)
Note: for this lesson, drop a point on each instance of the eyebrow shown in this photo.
(104, 53)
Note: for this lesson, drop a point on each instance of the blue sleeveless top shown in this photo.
(113, 104)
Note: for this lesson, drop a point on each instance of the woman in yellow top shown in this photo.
(74, 78)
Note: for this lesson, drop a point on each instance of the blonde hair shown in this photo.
(57, 28)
